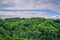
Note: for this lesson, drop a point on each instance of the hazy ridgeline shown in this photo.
(29, 29)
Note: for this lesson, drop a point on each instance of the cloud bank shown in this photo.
(29, 5)
(23, 14)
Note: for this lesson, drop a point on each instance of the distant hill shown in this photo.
(29, 29)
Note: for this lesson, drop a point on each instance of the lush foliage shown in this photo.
(29, 29)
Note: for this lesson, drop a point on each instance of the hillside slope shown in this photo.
(29, 29)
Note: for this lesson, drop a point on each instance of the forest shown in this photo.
(29, 29)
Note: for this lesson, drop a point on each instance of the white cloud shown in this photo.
(27, 15)
(35, 4)
(29, 5)
(24, 14)
(5, 4)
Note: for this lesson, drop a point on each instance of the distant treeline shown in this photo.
(29, 29)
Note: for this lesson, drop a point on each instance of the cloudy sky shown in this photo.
(30, 8)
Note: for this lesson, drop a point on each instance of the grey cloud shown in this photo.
(26, 15)
(41, 1)
(38, 4)
(23, 14)
(29, 5)
(5, 4)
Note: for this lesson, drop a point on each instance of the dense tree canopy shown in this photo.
(29, 29)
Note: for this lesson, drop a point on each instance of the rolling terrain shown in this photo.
(29, 29)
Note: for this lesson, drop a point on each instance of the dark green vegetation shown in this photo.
(29, 29)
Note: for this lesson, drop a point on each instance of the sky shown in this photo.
(30, 8)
